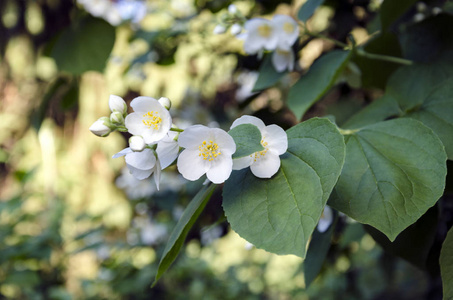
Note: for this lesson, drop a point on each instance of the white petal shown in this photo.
(123, 152)
(276, 139)
(117, 103)
(220, 169)
(249, 120)
(144, 160)
(144, 104)
(190, 165)
(134, 124)
(283, 60)
(139, 174)
(157, 171)
(326, 219)
(266, 166)
(242, 163)
(167, 152)
(193, 136)
(226, 143)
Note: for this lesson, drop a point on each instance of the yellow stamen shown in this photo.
(152, 119)
(264, 30)
(209, 150)
(258, 154)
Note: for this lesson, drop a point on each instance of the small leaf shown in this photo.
(268, 76)
(181, 230)
(317, 252)
(393, 172)
(84, 47)
(279, 214)
(247, 138)
(319, 79)
(308, 9)
(392, 10)
(446, 265)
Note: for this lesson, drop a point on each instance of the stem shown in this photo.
(392, 59)
(176, 129)
(324, 37)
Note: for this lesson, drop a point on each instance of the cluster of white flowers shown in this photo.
(116, 12)
(155, 143)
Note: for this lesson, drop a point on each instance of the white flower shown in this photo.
(236, 29)
(134, 11)
(232, 9)
(260, 35)
(283, 60)
(102, 127)
(265, 163)
(150, 119)
(165, 102)
(207, 150)
(137, 143)
(167, 149)
(219, 29)
(287, 31)
(326, 219)
(142, 164)
(117, 103)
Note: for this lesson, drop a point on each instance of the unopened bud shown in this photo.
(117, 103)
(165, 102)
(117, 118)
(219, 29)
(137, 143)
(236, 29)
(232, 9)
(102, 127)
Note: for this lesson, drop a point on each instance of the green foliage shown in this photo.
(307, 9)
(181, 230)
(394, 171)
(319, 79)
(85, 46)
(391, 11)
(268, 76)
(446, 265)
(247, 138)
(279, 214)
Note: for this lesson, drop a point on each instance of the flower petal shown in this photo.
(242, 163)
(190, 165)
(266, 166)
(145, 104)
(246, 119)
(144, 160)
(134, 124)
(123, 152)
(276, 138)
(139, 174)
(167, 152)
(220, 169)
(226, 143)
(157, 171)
(193, 136)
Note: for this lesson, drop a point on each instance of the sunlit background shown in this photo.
(74, 224)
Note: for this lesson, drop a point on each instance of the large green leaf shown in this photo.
(247, 138)
(319, 79)
(446, 266)
(307, 9)
(394, 171)
(86, 46)
(268, 76)
(279, 214)
(181, 230)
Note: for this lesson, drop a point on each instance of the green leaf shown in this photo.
(319, 79)
(392, 10)
(279, 214)
(84, 47)
(446, 265)
(247, 138)
(268, 76)
(308, 9)
(414, 243)
(393, 172)
(317, 252)
(181, 230)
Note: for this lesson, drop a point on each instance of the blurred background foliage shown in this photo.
(75, 225)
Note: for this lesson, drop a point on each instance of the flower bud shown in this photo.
(165, 102)
(136, 143)
(232, 9)
(117, 118)
(219, 29)
(102, 127)
(236, 29)
(117, 103)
